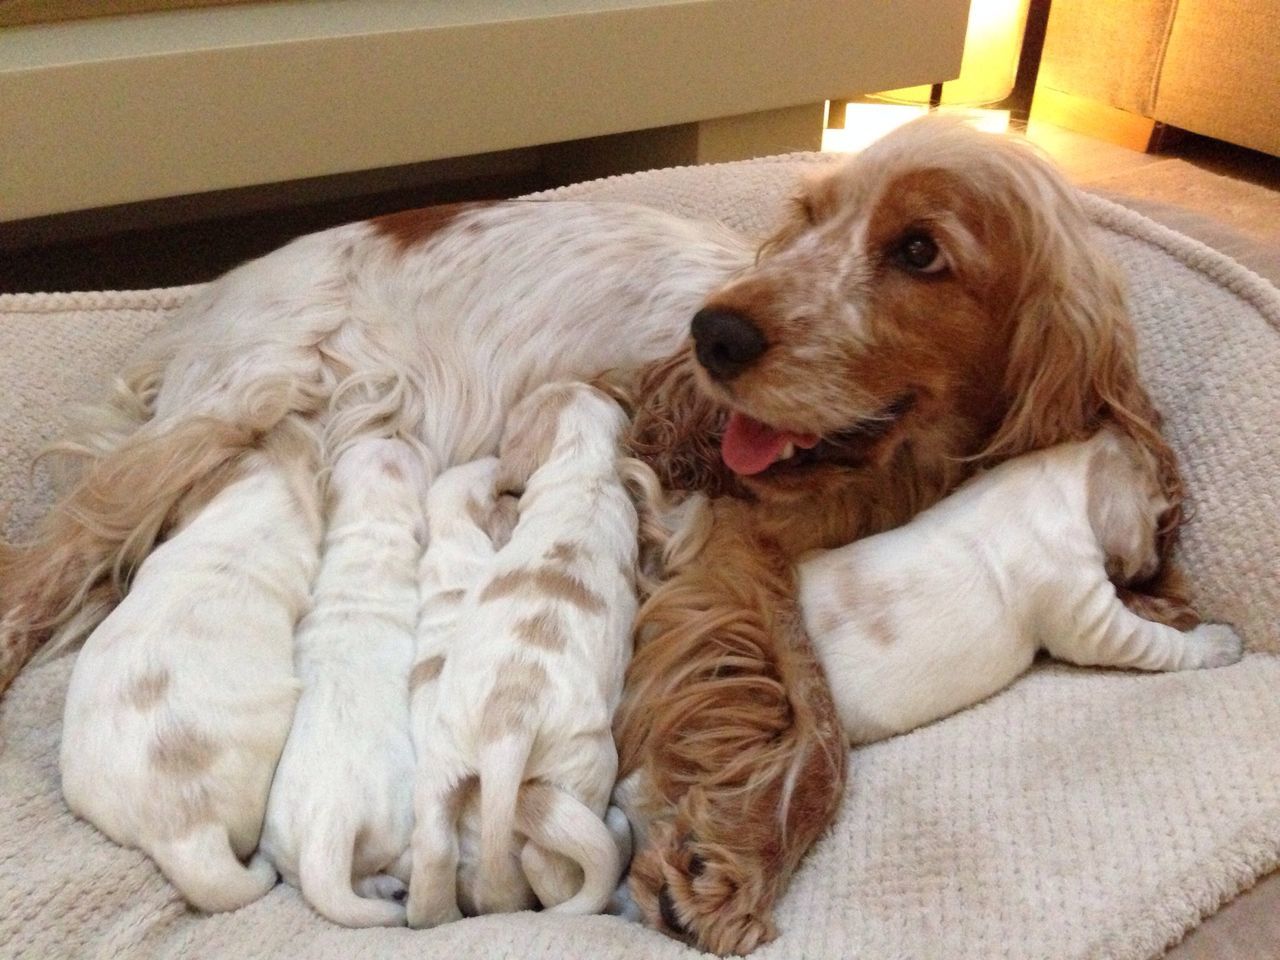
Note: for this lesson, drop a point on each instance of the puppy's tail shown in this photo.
(324, 872)
(560, 826)
(207, 873)
(500, 885)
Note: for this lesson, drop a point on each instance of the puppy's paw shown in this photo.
(382, 886)
(1219, 644)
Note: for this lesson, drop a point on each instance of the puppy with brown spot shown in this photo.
(916, 623)
(464, 521)
(181, 699)
(532, 675)
(341, 807)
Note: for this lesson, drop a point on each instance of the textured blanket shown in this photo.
(1079, 814)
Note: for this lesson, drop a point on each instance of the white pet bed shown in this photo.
(1080, 814)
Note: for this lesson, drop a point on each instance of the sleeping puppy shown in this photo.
(914, 624)
(180, 701)
(526, 693)
(341, 806)
(467, 523)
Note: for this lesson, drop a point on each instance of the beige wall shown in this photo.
(117, 110)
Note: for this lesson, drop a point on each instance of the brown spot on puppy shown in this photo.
(148, 689)
(546, 581)
(450, 596)
(425, 671)
(544, 631)
(512, 699)
(562, 551)
(182, 750)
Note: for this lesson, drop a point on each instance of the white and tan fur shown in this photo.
(464, 318)
(181, 699)
(468, 523)
(341, 804)
(916, 623)
(526, 695)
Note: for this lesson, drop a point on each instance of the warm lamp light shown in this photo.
(992, 42)
(988, 69)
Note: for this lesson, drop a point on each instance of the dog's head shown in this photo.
(941, 290)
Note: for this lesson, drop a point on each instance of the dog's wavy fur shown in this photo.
(1020, 342)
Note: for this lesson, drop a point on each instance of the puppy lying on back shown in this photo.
(341, 805)
(180, 701)
(916, 623)
(526, 693)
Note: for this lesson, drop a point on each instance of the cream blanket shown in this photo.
(1079, 814)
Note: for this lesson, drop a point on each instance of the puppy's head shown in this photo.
(1125, 505)
(372, 476)
(556, 420)
(941, 288)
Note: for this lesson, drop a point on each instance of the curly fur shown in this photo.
(1018, 341)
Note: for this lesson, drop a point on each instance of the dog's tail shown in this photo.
(499, 883)
(324, 873)
(563, 832)
(205, 870)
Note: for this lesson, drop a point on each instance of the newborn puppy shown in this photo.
(527, 691)
(914, 624)
(466, 524)
(341, 805)
(180, 701)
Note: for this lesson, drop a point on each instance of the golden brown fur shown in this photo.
(1014, 338)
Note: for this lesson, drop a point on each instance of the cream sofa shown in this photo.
(1209, 66)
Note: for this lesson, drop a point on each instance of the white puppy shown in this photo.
(341, 804)
(179, 703)
(527, 690)
(467, 523)
(914, 624)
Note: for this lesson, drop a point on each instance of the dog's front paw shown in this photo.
(1219, 644)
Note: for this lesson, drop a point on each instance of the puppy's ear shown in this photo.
(529, 437)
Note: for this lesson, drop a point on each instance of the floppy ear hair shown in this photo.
(1073, 361)
(676, 430)
(528, 438)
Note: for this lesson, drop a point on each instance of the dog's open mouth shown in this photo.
(750, 448)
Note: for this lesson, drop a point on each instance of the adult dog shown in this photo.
(934, 303)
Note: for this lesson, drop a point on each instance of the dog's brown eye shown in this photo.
(919, 253)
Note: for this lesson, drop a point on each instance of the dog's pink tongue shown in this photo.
(749, 446)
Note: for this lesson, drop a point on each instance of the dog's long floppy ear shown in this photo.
(676, 430)
(1072, 362)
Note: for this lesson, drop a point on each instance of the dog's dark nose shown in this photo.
(726, 342)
